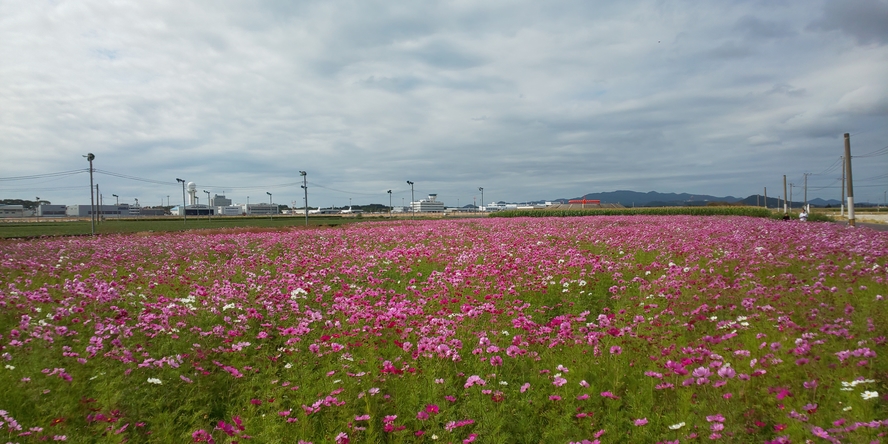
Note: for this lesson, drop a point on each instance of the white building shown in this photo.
(46, 210)
(260, 209)
(430, 205)
(193, 210)
(229, 210)
(122, 210)
(15, 211)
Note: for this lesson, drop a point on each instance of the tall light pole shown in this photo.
(208, 204)
(305, 188)
(270, 214)
(850, 195)
(92, 204)
(390, 202)
(184, 216)
(481, 189)
(118, 205)
(412, 200)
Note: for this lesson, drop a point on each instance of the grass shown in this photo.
(119, 226)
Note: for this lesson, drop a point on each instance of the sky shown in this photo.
(527, 100)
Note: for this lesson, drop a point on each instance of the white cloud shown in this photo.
(529, 100)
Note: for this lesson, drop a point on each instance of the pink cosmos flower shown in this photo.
(640, 422)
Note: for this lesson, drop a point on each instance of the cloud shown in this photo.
(529, 100)
(864, 20)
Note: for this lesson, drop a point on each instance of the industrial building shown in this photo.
(430, 205)
(220, 201)
(229, 210)
(15, 211)
(261, 209)
(193, 210)
(45, 210)
(122, 210)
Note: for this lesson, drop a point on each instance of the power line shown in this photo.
(834, 165)
(126, 176)
(879, 152)
(45, 175)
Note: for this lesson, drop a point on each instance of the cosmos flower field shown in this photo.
(545, 330)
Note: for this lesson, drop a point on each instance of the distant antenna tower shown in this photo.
(192, 193)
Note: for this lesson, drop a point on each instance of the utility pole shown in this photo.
(99, 206)
(184, 213)
(791, 185)
(412, 200)
(766, 197)
(784, 194)
(305, 188)
(842, 200)
(92, 205)
(851, 221)
(390, 203)
(209, 210)
(481, 189)
(806, 191)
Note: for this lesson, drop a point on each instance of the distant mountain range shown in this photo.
(654, 199)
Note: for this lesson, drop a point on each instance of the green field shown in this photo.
(113, 226)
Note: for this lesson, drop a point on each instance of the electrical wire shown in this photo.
(879, 152)
(831, 167)
(139, 179)
(46, 175)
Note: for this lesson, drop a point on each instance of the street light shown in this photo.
(118, 204)
(305, 188)
(481, 189)
(412, 200)
(92, 204)
(270, 214)
(184, 216)
(208, 204)
(390, 202)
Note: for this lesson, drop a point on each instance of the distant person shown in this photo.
(803, 216)
(785, 216)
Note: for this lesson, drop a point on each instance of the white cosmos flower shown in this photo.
(677, 426)
(869, 394)
(155, 381)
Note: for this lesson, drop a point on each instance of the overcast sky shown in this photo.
(530, 100)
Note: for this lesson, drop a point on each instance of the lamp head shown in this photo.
(302, 173)
(90, 156)
(179, 180)
(389, 191)
(268, 193)
(480, 188)
(409, 183)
